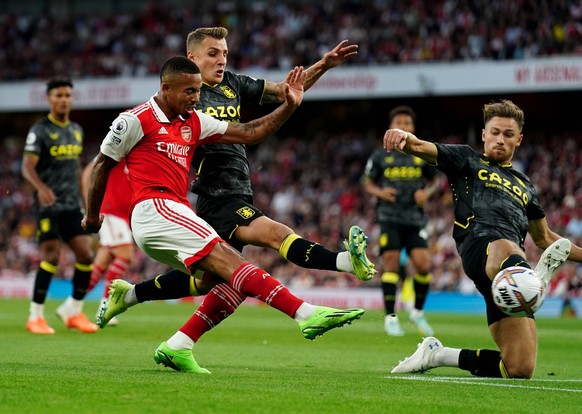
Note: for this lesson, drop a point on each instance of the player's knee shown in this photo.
(422, 263)
(278, 233)
(520, 368)
(84, 257)
(51, 257)
(391, 260)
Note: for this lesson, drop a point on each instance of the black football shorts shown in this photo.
(226, 214)
(62, 225)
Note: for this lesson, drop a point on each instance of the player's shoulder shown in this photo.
(76, 126)
(519, 174)
(127, 121)
(39, 131)
(137, 111)
(136, 115)
(239, 79)
(456, 149)
(40, 124)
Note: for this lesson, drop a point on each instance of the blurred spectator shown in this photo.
(323, 167)
(279, 34)
(323, 188)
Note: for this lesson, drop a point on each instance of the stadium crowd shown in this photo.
(275, 34)
(314, 186)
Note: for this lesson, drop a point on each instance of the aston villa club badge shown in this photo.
(229, 93)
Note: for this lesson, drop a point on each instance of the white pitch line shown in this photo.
(481, 381)
(489, 378)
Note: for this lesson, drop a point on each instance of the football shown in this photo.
(517, 291)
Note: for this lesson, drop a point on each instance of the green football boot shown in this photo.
(115, 302)
(324, 319)
(356, 245)
(180, 360)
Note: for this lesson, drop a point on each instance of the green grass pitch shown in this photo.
(260, 363)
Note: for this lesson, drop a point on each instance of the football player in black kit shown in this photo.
(225, 197)
(51, 164)
(402, 185)
(495, 207)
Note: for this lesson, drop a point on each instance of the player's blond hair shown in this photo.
(196, 36)
(503, 109)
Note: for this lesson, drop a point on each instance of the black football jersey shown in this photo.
(490, 198)
(58, 148)
(223, 169)
(407, 175)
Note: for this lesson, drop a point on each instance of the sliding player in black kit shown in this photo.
(496, 206)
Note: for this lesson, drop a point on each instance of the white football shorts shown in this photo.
(114, 232)
(172, 233)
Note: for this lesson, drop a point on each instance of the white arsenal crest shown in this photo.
(186, 132)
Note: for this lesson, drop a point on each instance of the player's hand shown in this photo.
(92, 223)
(46, 197)
(420, 197)
(388, 194)
(395, 139)
(294, 86)
(339, 54)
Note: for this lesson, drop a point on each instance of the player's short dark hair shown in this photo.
(57, 82)
(178, 64)
(402, 110)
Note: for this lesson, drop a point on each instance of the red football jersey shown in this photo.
(158, 151)
(117, 199)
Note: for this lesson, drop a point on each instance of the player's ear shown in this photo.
(483, 135)
(519, 139)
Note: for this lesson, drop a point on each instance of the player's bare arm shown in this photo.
(274, 92)
(255, 131)
(85, 180)
(46, 196)
(543, 236)
(423, 194)
(330, 59)
(80, 179)
(97, 185)
(399, 140)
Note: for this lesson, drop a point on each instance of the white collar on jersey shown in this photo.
(158, 113)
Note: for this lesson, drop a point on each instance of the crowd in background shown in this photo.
(313, 185)
(274, 34)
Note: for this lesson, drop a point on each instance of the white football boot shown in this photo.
(551, 259)
(422, 358)
(392, 325)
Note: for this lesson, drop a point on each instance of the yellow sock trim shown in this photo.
(502, 263)
(424, 279)
(84, 267)
(390, 277)
(407, 291)
(284, 248)
(48, 267)
(157, 283)
(506, 259)
(193, 288)
(504, 373)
